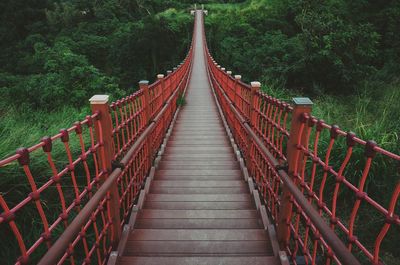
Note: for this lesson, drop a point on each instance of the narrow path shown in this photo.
(199, 209)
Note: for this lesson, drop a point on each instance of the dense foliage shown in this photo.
(56, 54)
(63, 52)
(329, 46)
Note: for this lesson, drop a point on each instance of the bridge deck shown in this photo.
(199, 209)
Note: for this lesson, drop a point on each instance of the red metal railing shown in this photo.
(311, 175)
(82, 182)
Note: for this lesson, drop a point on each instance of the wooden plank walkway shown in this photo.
(199, 209)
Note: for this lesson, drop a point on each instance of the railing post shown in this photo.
(163, 96)
(237, 86)
(255, 87)
(301, 106)
(169, 83)
(224, 78)
(144, 86)
(174, 79)
(231, 88)
(99, 104)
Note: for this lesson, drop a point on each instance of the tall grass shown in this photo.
(22, 127)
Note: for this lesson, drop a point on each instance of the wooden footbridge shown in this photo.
(196, 168)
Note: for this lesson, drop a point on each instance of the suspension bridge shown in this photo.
(232, 176)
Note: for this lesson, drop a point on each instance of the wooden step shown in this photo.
(199, 172)
(204, 223)
(215, 166)
(200, 177)
(215, 205)
(200, 163)
(223, 190)
(199, 260)
(199, 214)
(198, 183)
(201, 248)
(228, 156)
(212, 142)
(198, 234)
(199, 197)
(198, 150)
(197, 137)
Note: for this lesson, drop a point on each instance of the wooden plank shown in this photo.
(205, 223)
(198, 183)
(199, 214)
(198, 234)
(198, 197)
(179, 163)
(199, 260)
(219, 142)
(242, 205)
(197, 166)
(198, 172)
(201, 177)
(188, 190)
(172, 156)
(197, 137)
(198, 150)
(158, 248)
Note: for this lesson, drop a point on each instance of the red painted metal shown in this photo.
(319, 174)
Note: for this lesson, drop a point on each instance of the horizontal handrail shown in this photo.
(58, 249)
(52, 256)
(343, 254)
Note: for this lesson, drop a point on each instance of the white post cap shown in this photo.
(255, 84)
(99, 99)
(223, 68)
(238, 77)
(229, 72)
(159, 76)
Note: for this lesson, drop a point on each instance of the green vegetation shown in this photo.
(344, 55)
(56, 54)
